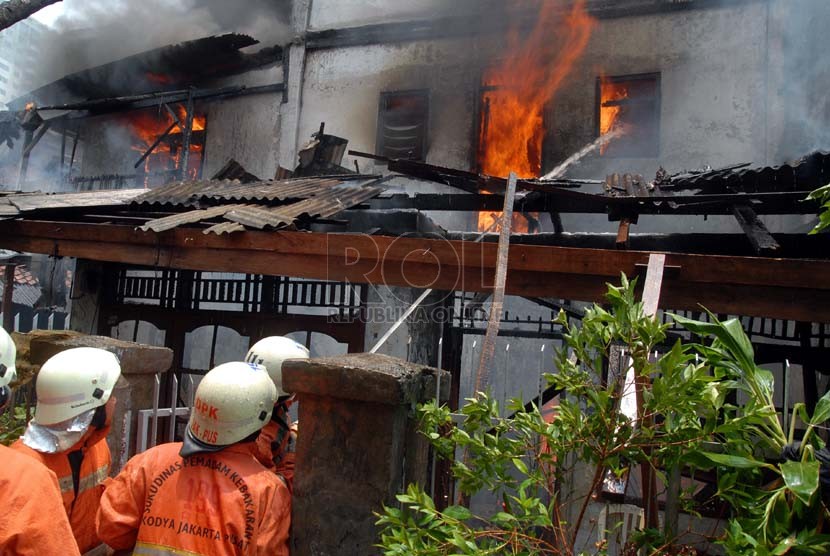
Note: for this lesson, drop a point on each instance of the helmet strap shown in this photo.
(279, 420)
(99, 419)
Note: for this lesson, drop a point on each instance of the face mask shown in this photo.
(51, 439)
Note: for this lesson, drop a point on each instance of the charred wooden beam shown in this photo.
(762, 241)
(570, 202)
(623, 234)
(8, 295)
(795, 245)
(134, 102)
(17, 10)
(187, 135)
(27, 150)
(155, 144)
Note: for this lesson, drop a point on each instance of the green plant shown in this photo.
(777, 503)
(822, 195)
(12, 424)
(529, 463)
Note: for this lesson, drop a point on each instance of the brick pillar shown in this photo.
(356, 448)
(134, 390)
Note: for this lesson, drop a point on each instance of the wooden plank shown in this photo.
(488, 346)
(781, 288)
(8, 294)
(709, 269)
(762, 241)
(651, 300)
(623, 239)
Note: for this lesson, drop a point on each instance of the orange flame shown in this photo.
(158, 78)
(148, 125)
(608, 111)
(512, 125)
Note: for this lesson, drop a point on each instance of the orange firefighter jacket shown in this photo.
(81, 491)
(218, 503)
(34, 521)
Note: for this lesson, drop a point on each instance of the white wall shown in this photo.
(342, 88)
(327, 14)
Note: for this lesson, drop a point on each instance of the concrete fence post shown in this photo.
(357, 446)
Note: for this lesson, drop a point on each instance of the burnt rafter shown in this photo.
(781, 288)
(777, 190)
(170, 67)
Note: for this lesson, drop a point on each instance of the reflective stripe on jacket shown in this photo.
(81, 505)
(217, 503)
(34, 521)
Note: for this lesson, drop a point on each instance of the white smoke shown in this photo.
(94, 32)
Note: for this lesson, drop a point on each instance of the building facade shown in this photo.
(19, 57)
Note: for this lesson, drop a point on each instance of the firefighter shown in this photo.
(34, 521)
(68, 433)
(277, 441)
(209, 494)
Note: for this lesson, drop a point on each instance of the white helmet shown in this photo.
(270, 352)
(8, 355)
(74, 381)
(233, 401)
(8, 373)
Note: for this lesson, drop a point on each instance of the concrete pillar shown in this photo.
(356, 448)
(134, 390)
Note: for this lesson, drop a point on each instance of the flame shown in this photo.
(158, 78)
(512, 124)
(147, 126)
(608, 114)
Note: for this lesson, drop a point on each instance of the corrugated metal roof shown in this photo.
(192, 193)
(328, 201)
(14, 204)
(806, 174)
(190, 217)
(324, 205)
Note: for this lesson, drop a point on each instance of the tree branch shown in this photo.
(17, 10)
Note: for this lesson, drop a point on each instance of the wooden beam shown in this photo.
(488, 346)
(762, 241)
(651, 300)
(8, 295)
(623, 240)
(771, 287)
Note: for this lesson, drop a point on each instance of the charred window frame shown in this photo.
(639, 112)
(403, 124)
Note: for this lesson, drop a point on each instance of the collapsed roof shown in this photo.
(167, 68)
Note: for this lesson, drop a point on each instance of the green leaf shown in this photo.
(504, 516)
(520, 465)
(822, 412)
(739, 462)
(801, 478)
(458, 512)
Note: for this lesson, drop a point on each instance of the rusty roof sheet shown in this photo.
(196, 193)
(18, 203)
(326, 204)
(328, 201)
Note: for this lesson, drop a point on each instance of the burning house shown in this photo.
(633, 127)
